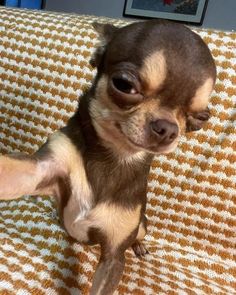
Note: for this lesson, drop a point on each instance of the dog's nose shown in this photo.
(166, 131)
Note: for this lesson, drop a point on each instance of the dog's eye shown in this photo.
(195, 121)
(124, 89)
(124, 85)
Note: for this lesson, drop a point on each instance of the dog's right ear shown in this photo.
(106, 32)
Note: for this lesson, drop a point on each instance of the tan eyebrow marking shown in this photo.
(202, 95)
(154, 71)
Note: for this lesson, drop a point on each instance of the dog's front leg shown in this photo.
(109, 271)
(115, 228)
(112, 260)
(22, 174)
(37, 174)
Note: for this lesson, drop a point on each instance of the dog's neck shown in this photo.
(104, 165)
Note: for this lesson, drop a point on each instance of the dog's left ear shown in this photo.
(106, 32)
(195, 121)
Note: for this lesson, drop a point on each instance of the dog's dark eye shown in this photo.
(124, 85)
(195, 121)
(124, 89)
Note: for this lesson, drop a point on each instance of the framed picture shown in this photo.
(190, 11)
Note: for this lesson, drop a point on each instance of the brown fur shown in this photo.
(97, 165)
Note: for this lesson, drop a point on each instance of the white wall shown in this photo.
(220, 14)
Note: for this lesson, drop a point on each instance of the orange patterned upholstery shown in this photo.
(191, 193)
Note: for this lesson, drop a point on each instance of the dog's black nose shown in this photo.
(166, 131)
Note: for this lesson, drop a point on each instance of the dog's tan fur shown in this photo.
(25, 182)
(153, 72)
(21, 176)
(201, 98)
(108, 217)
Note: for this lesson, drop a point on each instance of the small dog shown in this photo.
(153, 83)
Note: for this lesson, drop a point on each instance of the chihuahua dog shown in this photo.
(153, 83)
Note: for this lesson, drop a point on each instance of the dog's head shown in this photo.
(153, 84)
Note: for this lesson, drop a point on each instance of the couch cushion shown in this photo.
(191, 193)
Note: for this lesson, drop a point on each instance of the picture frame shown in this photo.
(188, 11)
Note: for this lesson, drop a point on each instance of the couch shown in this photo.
(44, 68)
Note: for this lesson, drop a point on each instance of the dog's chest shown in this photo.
(116, 182)
(80, 201)
(97, 182)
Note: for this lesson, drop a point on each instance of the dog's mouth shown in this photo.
(154, 147)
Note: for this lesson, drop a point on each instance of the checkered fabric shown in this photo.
(191, 193)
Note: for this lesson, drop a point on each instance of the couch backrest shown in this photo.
(44, 69)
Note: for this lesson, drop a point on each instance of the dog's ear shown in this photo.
(106, 32)
(195, 121)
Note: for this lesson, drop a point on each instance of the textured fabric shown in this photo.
(191, 193)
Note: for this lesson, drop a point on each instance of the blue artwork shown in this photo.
(31, 4)
(12, 3)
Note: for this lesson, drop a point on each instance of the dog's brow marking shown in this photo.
(154, 70)
(201, 97)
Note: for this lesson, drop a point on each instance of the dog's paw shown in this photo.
(139, 249)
